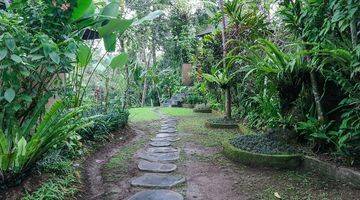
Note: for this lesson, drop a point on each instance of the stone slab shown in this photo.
(170, 139)
(160, 157)
(152, 180)
(163, 135)
(160, 144)
(162, 150)
(157, 195)
(156, 167)
(167, 131)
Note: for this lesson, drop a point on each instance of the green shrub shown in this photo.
(193, 99)
(21, 148)
(104, 123)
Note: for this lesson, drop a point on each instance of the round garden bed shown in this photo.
(187, 105)
(258, 150)
(202, 109)
(221, 123)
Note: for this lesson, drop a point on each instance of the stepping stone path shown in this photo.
(156, 167)
(157, 194)
(156, 163)
(160, 157)
(160, 144)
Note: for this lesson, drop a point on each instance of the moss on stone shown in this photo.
(261, 160)
(221, 124)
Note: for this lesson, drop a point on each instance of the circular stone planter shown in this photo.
(187, 105)
(202, 110)
(261, 160)
(221, 124)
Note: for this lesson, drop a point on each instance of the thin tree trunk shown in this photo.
(316, 93)
(143, 98)
(153, 49)
(107, 80)
(123, 48)
(223, 31)
(353, 28)
(145, 88)
(228, 103)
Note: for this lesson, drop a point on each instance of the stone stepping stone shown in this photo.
(157, 195)
(152, 180)
(167, 131)
(160, 157)
(160, 144)
(170, 139)
(162, 150)
(156, 167)
(164, 135)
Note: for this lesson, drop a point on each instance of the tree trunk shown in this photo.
(145, 88)
(223, 32)
(143, 97)
(107, 80)
(127, 75)
(228, 103)
(353, 29)
(317, 99)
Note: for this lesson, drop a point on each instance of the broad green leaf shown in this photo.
(115, 25)
(83, 55)
(21, 147)
(9, 95)
(111, 10)
(81, 7)
(4, 145)
(110, 42)
(36, 57)
(90, 11)
(3, 53)
(150, 16)
(16, 58)
(55, 57)
(119, 61)
(9, 41)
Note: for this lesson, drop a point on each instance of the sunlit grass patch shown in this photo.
(177, 111)
(205, 136)
(142, 114)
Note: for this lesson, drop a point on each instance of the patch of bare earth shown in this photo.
(93, 180)
(116, 181)
(210, 176)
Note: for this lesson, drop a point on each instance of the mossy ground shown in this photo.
(255, 183)
(142, 114)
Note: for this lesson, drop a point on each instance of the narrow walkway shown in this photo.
(156, 163)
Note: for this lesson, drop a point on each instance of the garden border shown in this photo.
(196, 110)
(296, 161)
(255, 159)
(210, 124)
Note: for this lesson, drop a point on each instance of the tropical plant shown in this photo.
(26, 144)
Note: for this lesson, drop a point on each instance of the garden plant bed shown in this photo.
(283, 161)
(260, 151)
(221, 123)
(187, 105)
(202, 110)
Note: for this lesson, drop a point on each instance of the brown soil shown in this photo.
(116, 182)
(210, 176)
(30, 184)
(93, 180)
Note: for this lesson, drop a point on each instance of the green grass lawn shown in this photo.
(142, 114)
(177, 112)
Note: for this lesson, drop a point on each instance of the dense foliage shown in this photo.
(294, 65)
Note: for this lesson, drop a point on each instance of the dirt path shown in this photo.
(94, 164)
(209, 175)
